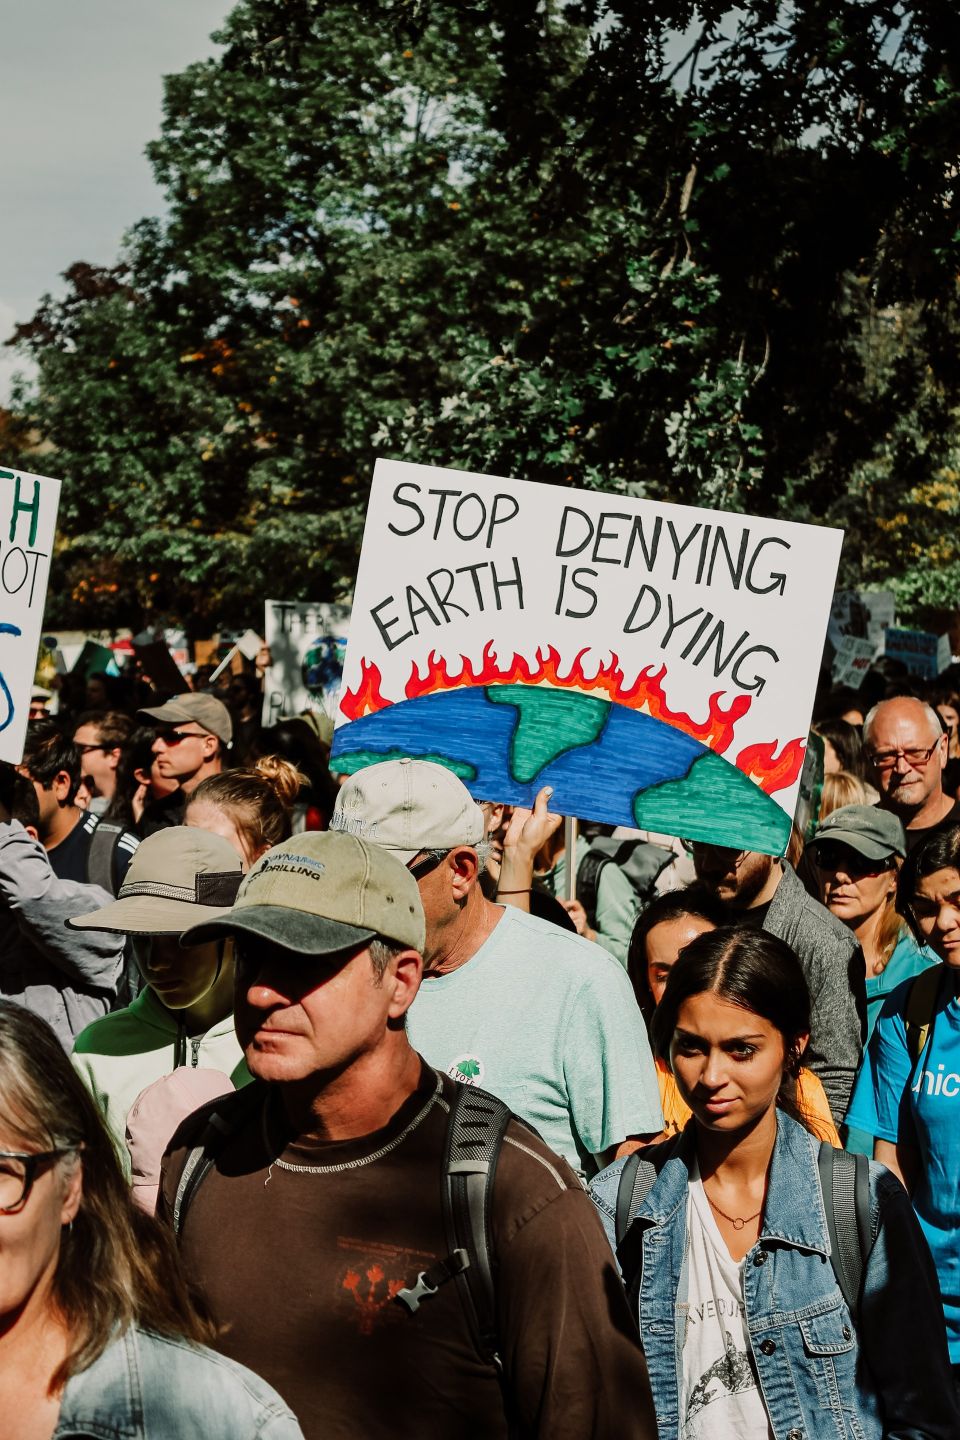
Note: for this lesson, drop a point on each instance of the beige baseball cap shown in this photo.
(319, 893)
(408, 806)
(176, 878)
(204, 710)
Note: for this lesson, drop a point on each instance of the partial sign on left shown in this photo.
(28, 521)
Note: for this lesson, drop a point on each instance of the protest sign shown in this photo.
(655, 664)
(307, 641)
(923, 653)
(852, 661)
(864, 613)
(28, 518)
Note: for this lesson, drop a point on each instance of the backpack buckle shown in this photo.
(429, 1281)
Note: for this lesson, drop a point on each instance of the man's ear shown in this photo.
(210, 746)
(464, 867)
(404, 975)
(33, 832)
(61, 787)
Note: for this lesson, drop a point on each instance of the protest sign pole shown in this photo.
(224, 663)
(570, 829)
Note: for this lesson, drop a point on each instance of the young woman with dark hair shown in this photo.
(98, 1333)
(668, 924)
(908, 1092)
(745, 1328)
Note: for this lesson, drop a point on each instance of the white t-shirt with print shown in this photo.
(721, 1396)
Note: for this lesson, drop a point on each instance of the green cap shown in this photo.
(322, 892)
(867, 829)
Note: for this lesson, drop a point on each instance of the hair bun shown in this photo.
(283, 777)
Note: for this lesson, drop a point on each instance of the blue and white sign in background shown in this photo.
(28, 522)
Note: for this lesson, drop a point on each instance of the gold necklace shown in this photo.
(736, 1221)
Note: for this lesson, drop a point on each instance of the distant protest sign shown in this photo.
(307, 642)
(655, 664)
(863, 613)
(852, 661)
(923, 653)
(28, 518)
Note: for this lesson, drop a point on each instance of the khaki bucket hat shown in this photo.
(177, 877)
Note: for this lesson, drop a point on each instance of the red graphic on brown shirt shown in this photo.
(372, 1282)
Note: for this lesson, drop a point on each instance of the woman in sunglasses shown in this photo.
(98, 1334)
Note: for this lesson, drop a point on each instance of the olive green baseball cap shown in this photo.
(193, 708)
(320, 893)
(867, 829)
(176, 878)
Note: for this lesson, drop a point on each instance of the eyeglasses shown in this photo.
(18, 1172)
(173, 737)
(832, 855)
(86, 749)
(724, 852)
(430, 861)
(887, 759)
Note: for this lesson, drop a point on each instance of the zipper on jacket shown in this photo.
(195, 1044)
(180, 1046)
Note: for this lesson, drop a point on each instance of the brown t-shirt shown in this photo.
(300, 1246)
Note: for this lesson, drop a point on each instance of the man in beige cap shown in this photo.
(194, 732)
(543, 1018)
(312, 1209)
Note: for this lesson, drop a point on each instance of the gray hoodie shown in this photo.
(67, 977)
(836, 975)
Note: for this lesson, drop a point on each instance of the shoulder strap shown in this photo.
(100, 853)
(637, 1179)
(588, 880)
(202, 1158)
(845, 1182)
(921, 1004)
(475, 1131)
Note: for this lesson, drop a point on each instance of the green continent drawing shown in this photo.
(356, 760)
(549, 723)
(714, 792)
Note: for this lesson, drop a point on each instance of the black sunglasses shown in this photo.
(430, 861)
(833, 855)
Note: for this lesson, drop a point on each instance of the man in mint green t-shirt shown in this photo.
(543, 1019)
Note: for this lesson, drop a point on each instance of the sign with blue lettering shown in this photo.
(28, 518)
(654, 664)
(922, 652)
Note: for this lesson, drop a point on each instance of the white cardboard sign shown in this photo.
(710, 622)
(28, 519)
(307, 640)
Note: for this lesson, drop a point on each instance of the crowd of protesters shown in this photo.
(329, 1108)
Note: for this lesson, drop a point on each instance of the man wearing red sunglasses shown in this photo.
(193, 734)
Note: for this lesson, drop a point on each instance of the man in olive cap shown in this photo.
(193, 734)
(311, 1211)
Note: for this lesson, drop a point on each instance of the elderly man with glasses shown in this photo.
(765, 891)
(542, 1018)
(906, 747)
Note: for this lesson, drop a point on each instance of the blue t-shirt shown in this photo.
(920, 1105)
(548, 1022)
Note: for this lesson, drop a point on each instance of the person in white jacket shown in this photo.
(184, 1016)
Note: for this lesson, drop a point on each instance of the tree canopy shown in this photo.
(696, 252)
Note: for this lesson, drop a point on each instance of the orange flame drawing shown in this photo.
(645, 694)
(366, 698)
(769, 772)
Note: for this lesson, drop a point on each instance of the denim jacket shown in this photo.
(147, 1387)
(821, 1378)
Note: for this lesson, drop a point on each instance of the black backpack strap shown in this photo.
(588, 880)
(845, 1182)
(203, 1156)
(637, 1179)
(475, 1132)
(100, 853)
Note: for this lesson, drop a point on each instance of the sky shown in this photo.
(81, 86)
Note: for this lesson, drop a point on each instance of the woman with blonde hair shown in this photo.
(98, 1332)
(841, 788)
(252, 809)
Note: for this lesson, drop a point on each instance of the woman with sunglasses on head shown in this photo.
(98, 1334)
(908, 1092)
(745, 1328)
